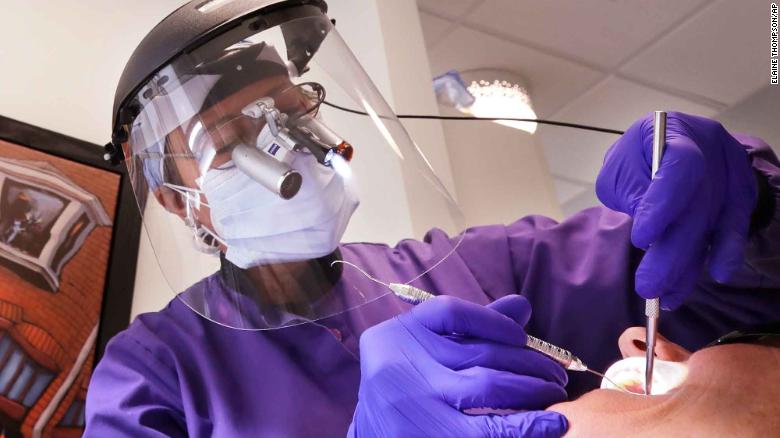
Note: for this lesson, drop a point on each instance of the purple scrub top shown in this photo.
(174, 373)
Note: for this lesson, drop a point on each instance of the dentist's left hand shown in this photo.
(416, 378)
(695, 212)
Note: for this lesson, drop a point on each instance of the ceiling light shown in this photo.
(490, 94)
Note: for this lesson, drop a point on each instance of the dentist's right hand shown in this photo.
(422, 369)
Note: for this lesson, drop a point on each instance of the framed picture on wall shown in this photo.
(69, 230)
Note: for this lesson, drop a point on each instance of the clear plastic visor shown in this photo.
(249, 188)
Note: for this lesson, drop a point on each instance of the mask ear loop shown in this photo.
(203, 239)
(206, 241)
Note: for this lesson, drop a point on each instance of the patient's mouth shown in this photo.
(629, 374)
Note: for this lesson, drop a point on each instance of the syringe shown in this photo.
(415, 295)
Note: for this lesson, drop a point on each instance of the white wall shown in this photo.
(61, 60)
(386, 37)
(502, 173)
(411, 92)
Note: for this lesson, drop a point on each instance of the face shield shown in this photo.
(239, 172)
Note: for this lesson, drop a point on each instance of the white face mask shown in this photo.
(259, 227)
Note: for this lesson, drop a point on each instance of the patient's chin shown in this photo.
(629, 374)
(605, 413)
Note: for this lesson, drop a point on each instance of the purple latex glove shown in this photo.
(416, 378)
(697, 209)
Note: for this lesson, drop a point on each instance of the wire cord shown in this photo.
(620, 387)
(362, 271)
(472, 118)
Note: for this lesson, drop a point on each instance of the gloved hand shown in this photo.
(697, 209)
(417, 378)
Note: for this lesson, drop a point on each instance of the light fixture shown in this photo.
(487, 93)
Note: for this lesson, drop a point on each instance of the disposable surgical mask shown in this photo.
(259, 227)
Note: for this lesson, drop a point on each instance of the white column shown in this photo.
(387, 39)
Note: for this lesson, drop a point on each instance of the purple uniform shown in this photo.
(174, 373)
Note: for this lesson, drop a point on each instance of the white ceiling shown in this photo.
(605, 62)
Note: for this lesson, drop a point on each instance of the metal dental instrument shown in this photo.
(652, 306)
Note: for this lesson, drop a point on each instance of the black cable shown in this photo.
(317, 87)
(431, 117)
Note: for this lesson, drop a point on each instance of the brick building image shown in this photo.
(55, 235)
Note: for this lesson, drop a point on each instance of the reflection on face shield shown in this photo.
(263, 140)
(243, 100)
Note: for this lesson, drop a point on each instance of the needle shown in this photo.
(652, 306)
(620, 387)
